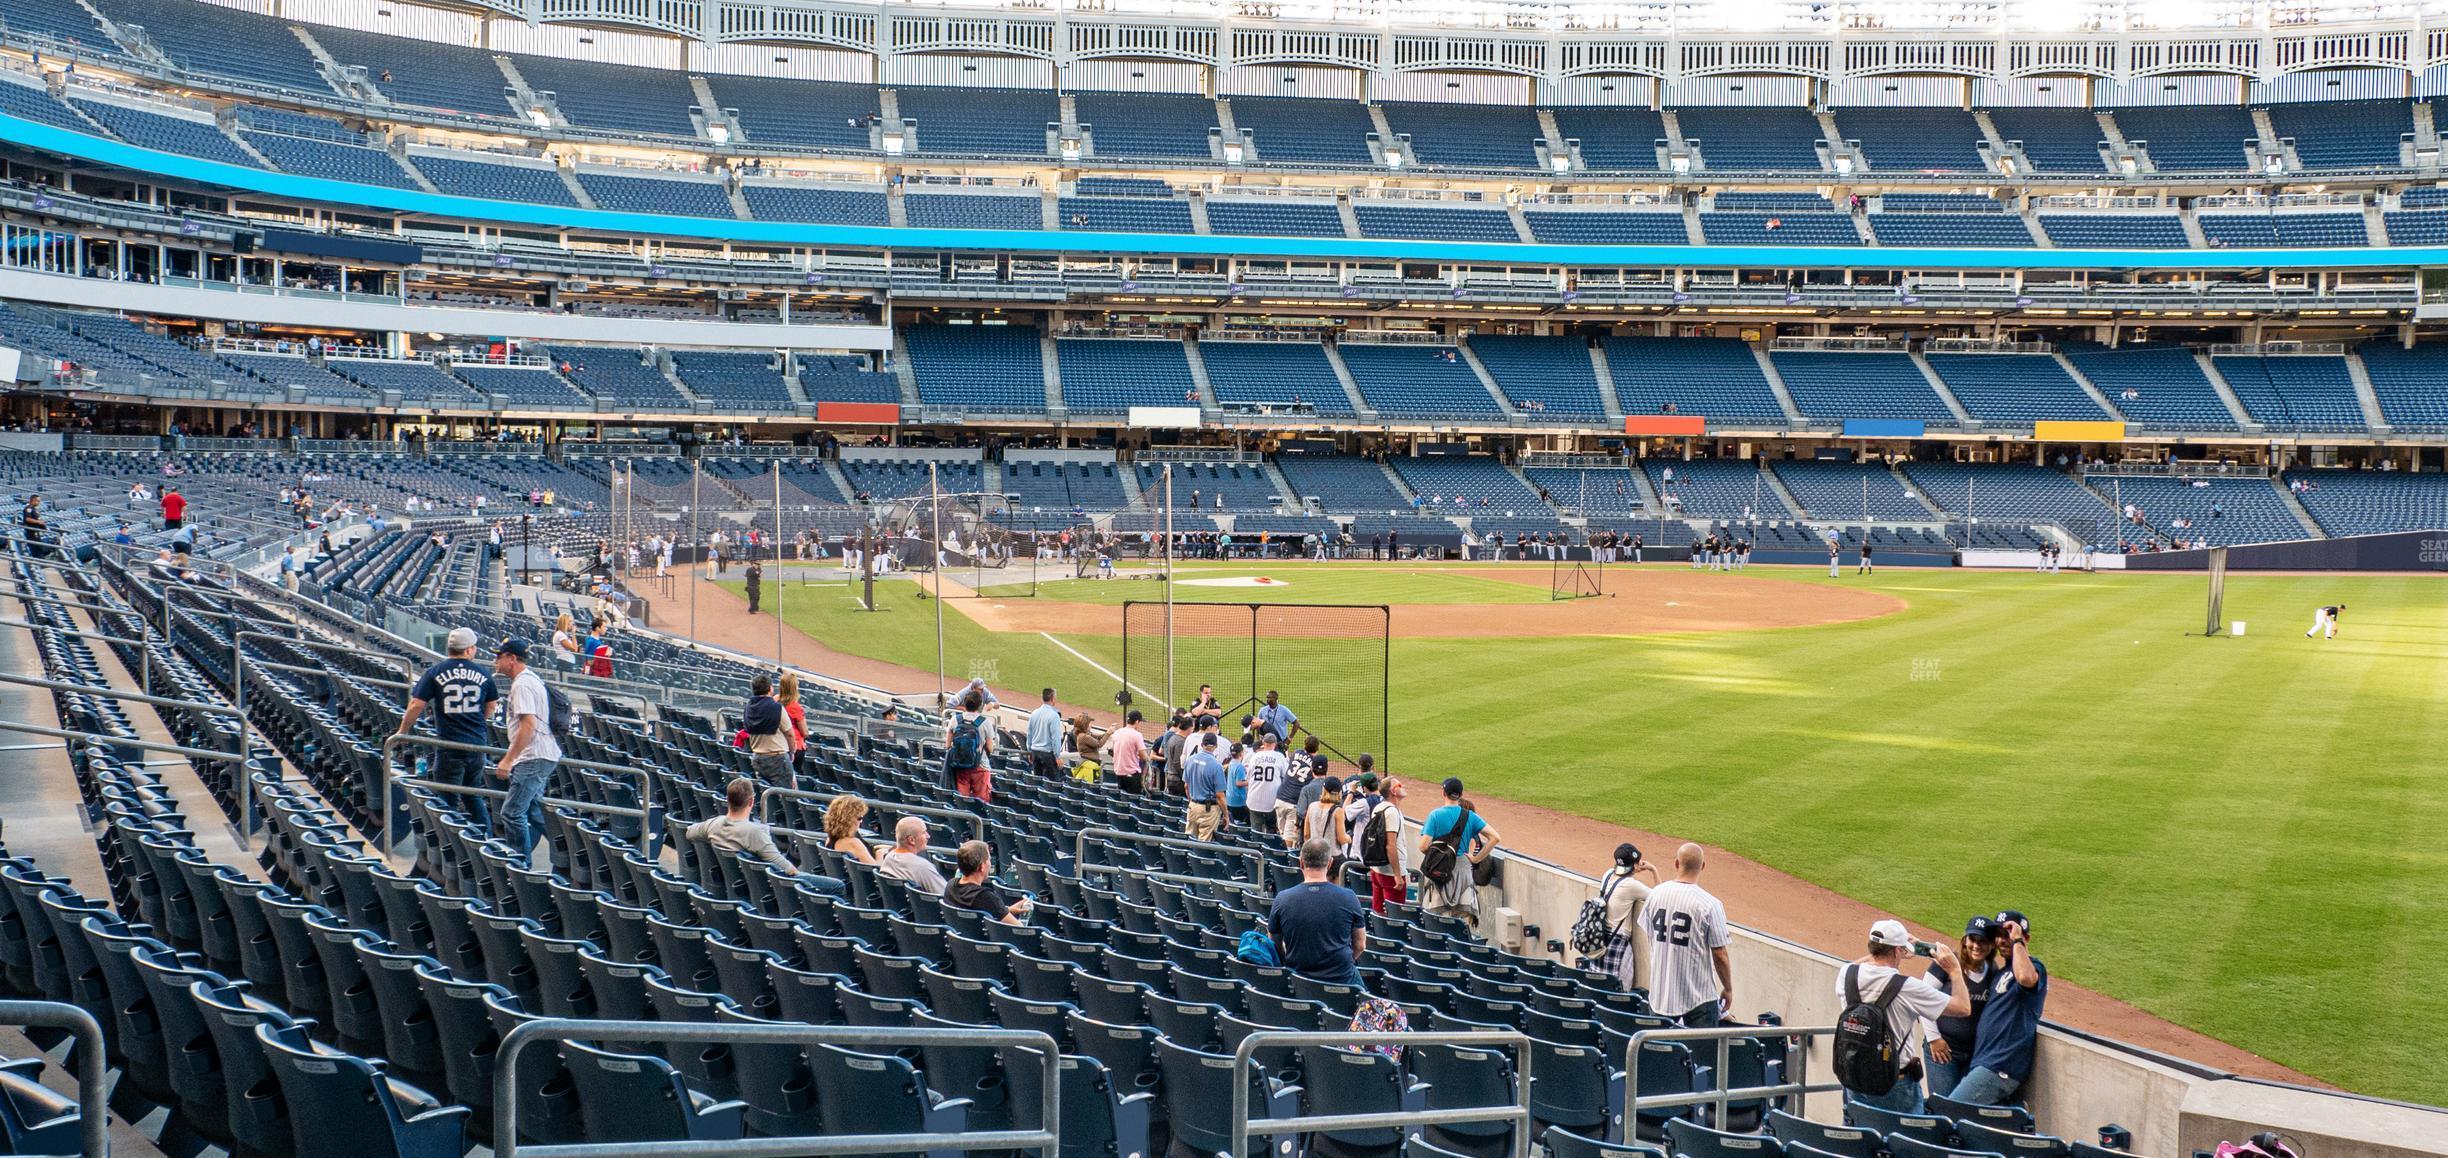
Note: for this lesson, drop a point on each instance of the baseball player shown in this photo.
(2324, 621)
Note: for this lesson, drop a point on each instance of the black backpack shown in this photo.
(1373, 839)
(1865, 1043)
(559, 716)
(1437, 863)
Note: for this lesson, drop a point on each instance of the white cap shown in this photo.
(461, 639)
(1891, 935)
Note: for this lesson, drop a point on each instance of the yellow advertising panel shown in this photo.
(2078, 431)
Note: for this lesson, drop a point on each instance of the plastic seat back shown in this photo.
(635, 1098)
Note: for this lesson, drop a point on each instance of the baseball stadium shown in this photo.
(1138, 579)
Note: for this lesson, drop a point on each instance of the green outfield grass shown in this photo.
(2246, 836)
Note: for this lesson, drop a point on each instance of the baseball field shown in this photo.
(2241, 835)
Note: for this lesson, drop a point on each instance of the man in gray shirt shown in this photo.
(907, 862)
(738, 831)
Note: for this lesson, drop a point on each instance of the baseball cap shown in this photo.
(1891, 935)
(1981, 927)
(513, 646)
(1334, 784)
(2011, 915)
(1368, 781)
(461, 639)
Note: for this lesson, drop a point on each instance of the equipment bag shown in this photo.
(1865, 1041)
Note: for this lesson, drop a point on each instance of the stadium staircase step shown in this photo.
(1070, 120)
(1776, 486)
(2361, 376)
(1132, 494)
(225, 124)
(1391, 147)
(1052, 361)
(904, 373)
(1605, 372)
(2312, 527)
(1351, 389)
(2193, 231)
(1989, 132)
(1283, 485)
(2266, 138)
(2083, 380)
(1521, 225)
(1691, 223)
(1351, 221)
(1860, 216)
(739, 200)
(1648, 494)
(1836, 143)
(1553, 135)
(399, 153)
(1938, 386)
(1470, 358)
(132, 37)
(1673, 126)
(2424, 139)
(1049, 208)
(1919, 495)
(1226, 130)
(569, 180)
(352, 83)
(1395, 480)
(896, 210)
(833, 470)
(1198, 213)
(527, 99)
(1198, 374)
(2031, 221)
(671, 373)
(2375, 224)
(1776, 385)
(791, 383)
(2218, 382)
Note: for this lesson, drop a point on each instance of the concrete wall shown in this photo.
(2080, 1083)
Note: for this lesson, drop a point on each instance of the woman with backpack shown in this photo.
(1622, 894)
(968, 741)
(1454, 841)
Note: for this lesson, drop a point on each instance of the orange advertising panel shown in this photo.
(879, 413)
(1664, 424)
(2078, 431)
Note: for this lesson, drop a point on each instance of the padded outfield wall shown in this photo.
(2396, 551)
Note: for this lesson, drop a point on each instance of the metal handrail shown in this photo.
(389, 843)
(1247, 1051)
(118, 741)
(144, 677)
(93, 1094)
(1080, 865)
(1724, 1036)
(1047, 1140)
(977, 823)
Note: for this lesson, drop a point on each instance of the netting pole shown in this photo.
(935, 516)
(778, 584)
(1170, 698)
(1385, 684)
(696, 478)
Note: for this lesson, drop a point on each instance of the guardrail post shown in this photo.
(93, 1094)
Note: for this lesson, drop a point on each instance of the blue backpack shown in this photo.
(1257, 948)
(967, 744)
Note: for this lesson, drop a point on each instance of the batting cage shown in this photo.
(1329, 663)
(982, 543)
(1570, 579)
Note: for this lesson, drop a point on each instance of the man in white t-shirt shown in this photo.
(1917, 1000)
(528, 765)
(1691, 978)
(1269, 770)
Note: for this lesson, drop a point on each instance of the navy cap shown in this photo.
(513, 646)
(2015, 917)
(1981, 927)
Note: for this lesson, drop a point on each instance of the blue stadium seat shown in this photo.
(225, 42)
(2054, 140)
(423, 73)
(170, 134)
(330, 160)
(1602, 227)
(880, 1094)
(1715, 378)
(1944, 229)
(1147, 125)
(1623, 138)
(1111, 375)
(2115, 230)
(1099, 1118)
(1197, 1098)
(1931, 139)
(1433, 223)
(1753, 138)
(1467, 136)
(1794, 228)
(1693, 1140)
(537, 184)
(34, 103)
(1283, 217)
(1837, 490)
(1417, 381)
(1555, 374)
(334, 1095)
(1841, 1141)
(2407, 384)
(2014, 493)
(2344, 134)
(2014, 388)
(1715, 488)
(2294, 393)
(830, 205)
(1126, 214)
(2191, 138)
(2170, 391)
(994, 368)
(1476, 479)
(1274, 374)
(1563, 1143)
(636, 1098)
(828, 116)
(1833, 385)
(973, 211)
(980, 122)
(2264, 230)
(1303, 131)
(2353, 502)
(672, 195)
(619, 98)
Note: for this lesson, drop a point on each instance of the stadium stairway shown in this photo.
(1783, 493)
(2098, 397)
(1938, 386)
(1776, 384)
(2356, 372)
(2218, 382)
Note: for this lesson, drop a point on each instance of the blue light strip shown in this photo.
(115, 154)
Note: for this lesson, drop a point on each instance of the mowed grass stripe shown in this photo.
(2243, 835)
